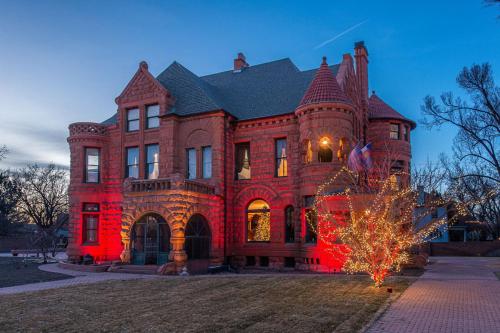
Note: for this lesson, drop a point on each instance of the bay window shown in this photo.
(92, 161)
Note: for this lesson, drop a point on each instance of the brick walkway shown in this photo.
(78, 278)
(455, 294)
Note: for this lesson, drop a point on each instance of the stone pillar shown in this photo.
(178, 255)
(125, 255)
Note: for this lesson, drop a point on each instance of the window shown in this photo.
(311, 220)
(207, 162)
(132, 162)
(309, 152)
(289, 225)
(92, 165)
(406, 133)
(191, 163)
(153, 116)
(281, 162)
(394, 131)
(243, 160)
(258, 221)
(152, 161)
(90, 222)
(325, 153)
(132, 120)
(343, 150)
(395, 177)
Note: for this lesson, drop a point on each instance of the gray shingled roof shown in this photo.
(264, 90)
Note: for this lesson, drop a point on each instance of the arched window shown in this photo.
(258, 221)
(289, 225)
(325, 153)
(197, 242)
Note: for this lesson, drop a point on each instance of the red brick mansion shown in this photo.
(222, 167)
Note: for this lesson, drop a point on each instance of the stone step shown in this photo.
(136, 269)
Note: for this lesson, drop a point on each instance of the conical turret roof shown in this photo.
(324, 88)
(378, 109)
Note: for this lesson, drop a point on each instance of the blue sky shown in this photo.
(66, 61)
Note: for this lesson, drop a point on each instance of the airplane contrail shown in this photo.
(340, 34)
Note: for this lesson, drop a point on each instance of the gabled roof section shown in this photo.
(378, 109)
(192, 94)
(142, 85)
(264, 90)
(324, 88)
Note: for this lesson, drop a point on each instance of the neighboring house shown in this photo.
(454, 228)
(222, 167)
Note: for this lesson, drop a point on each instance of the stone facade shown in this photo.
(334, 108)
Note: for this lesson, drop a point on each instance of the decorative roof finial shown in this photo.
(324, 61)
(143, 64)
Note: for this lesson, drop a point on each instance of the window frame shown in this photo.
(289, 239)
(148, 117)
(203, 169)
(237, 147)
(88, 213)
(127, 166)
(138, 119)
(195, 164)
(391, 131)
(147, 163)
(406, 133)
(278, 159)
(86, 166)
(247, 211)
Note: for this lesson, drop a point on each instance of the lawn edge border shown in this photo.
(380, 312)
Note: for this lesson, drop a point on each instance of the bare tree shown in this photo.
(9, 195)
(43, 199)
(3, 152)
(474, 169)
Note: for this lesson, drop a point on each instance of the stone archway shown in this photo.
(150, 241)
(197, 238)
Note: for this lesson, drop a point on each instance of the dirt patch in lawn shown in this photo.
(14, 272)
(277, 303)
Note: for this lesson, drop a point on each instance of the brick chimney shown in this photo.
(240, 63)
(361, 55)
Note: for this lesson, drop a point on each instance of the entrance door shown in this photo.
(150, 241)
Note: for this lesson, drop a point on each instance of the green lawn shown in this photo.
(275, 303)
(14, 272)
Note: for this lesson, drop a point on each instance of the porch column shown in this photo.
(178, 255)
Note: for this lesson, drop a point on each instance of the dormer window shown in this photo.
(153, 116)
(132, 120)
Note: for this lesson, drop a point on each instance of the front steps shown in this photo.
(135, 269)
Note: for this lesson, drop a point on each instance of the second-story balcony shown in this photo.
(165, 184)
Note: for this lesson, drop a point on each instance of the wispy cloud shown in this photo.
(337, 36)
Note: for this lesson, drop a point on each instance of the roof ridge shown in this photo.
(254, 66)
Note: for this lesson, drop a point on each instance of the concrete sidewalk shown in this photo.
(78, 278)
(455, 294)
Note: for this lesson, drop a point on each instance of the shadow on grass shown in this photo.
(15, 272)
